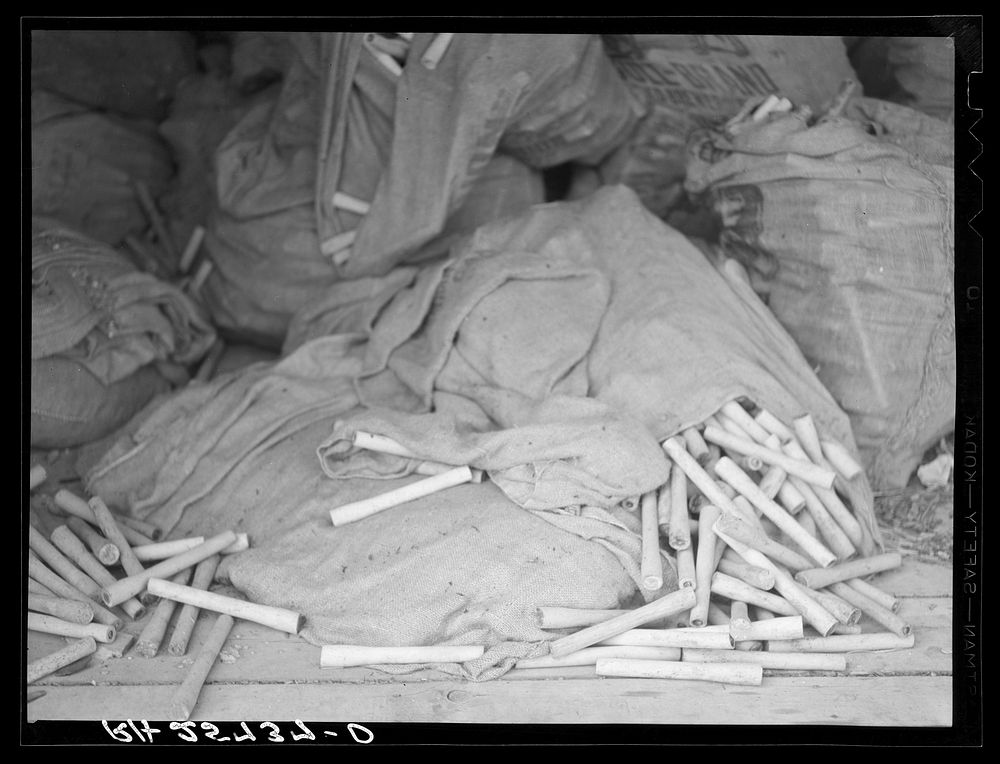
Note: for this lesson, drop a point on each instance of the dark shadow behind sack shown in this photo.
(918, 72)
(205, 108)
(132, 73)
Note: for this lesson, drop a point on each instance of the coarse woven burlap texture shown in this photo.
(433, 152)
(553, 350)
(465, 566)
(557, 349)
(99, 326)
(857, 212)
(85, 164)
(688, 82)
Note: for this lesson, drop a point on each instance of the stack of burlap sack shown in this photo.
(374, 207)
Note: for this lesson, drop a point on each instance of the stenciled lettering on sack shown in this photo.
(645, 73)
(706, 44)
(685, 99)
(697, 84)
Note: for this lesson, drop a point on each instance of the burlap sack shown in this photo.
(84, 164)
(466, 566)
(858, 213)
(691, 82)
(97, 327)
(553, 350)
(434, 152)
(558, 348)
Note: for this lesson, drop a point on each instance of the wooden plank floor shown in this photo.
(267, 675)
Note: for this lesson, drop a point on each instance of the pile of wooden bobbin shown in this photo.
(768, 560)
(102, 568)
(770, 564)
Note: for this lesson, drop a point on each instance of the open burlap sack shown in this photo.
(434, 152)
(689, 82)
(556, 349)
(553, 350)
(857, 214)
(463, 567)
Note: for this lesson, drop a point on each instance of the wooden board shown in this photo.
(269, 675)
(917, 578)
(264, 655)
(867, 701)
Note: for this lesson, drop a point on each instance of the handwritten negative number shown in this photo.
(187, 732)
